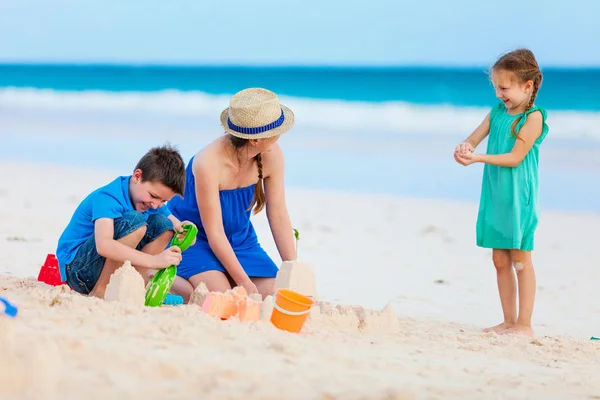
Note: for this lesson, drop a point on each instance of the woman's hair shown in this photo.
(259, 199)
(523, 65)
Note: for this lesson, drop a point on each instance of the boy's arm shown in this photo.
(176, 222)
(105, 210)
(178, 226)
(529, 133)
(111, 249)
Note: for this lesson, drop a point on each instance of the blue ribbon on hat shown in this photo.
(258, 129)
(9, 309)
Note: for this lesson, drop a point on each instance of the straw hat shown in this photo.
(256, 113)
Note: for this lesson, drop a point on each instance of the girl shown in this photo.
(238, 172)
(509, 210)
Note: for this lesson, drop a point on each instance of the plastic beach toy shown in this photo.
(595, 338)
(162, 282)
(7, 309)
(173, 300)
(50, 273)
(290, 310)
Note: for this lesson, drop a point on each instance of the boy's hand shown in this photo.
(177, 225)
(178, 228)
(171, 256)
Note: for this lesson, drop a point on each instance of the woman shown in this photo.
(235, 174)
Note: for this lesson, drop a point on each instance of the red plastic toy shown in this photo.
(49, 273)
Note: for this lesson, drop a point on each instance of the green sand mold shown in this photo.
(161, 283)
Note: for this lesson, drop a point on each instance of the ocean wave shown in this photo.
(332, 116)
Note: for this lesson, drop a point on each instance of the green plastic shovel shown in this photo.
(161, 283)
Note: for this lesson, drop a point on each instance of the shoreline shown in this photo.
(111, 173)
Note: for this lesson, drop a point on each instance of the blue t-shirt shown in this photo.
(109, 201)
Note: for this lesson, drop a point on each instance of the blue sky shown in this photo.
(374, 32)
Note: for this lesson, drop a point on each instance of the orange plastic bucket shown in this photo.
(290, 310)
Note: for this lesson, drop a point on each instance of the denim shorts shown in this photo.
(83, 272)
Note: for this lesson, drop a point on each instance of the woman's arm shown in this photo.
(529, 133)
(209, 204)
(277, 213)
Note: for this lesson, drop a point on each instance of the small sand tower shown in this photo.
(297, 276)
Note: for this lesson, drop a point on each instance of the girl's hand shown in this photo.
(461, 150)
(464, 148)
(466, 158)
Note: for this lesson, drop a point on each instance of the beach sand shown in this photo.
(417, 256)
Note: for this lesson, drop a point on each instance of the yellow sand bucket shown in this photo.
(290, 310)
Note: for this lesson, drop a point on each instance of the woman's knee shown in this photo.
(265, 286)
(215, 281)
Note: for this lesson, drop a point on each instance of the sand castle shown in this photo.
(126, 285)
(297, 276)
(293, 275)
(326, 316)
(233, 303)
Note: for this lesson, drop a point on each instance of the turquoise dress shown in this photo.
(508, 209)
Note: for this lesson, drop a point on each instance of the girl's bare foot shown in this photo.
(499, 328)
(520, 330)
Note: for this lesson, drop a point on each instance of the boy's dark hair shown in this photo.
(165, 165)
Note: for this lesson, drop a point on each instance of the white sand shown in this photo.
(366, 250)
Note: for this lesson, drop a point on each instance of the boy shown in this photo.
(125, 220)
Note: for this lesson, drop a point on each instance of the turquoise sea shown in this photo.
(370, 130)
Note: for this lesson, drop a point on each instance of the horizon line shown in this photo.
(176, 65)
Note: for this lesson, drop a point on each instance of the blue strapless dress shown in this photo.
(238, 228)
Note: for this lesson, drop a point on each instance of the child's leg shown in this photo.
(110, 266)
(507, 288)
(527, 289)
(150, 236)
